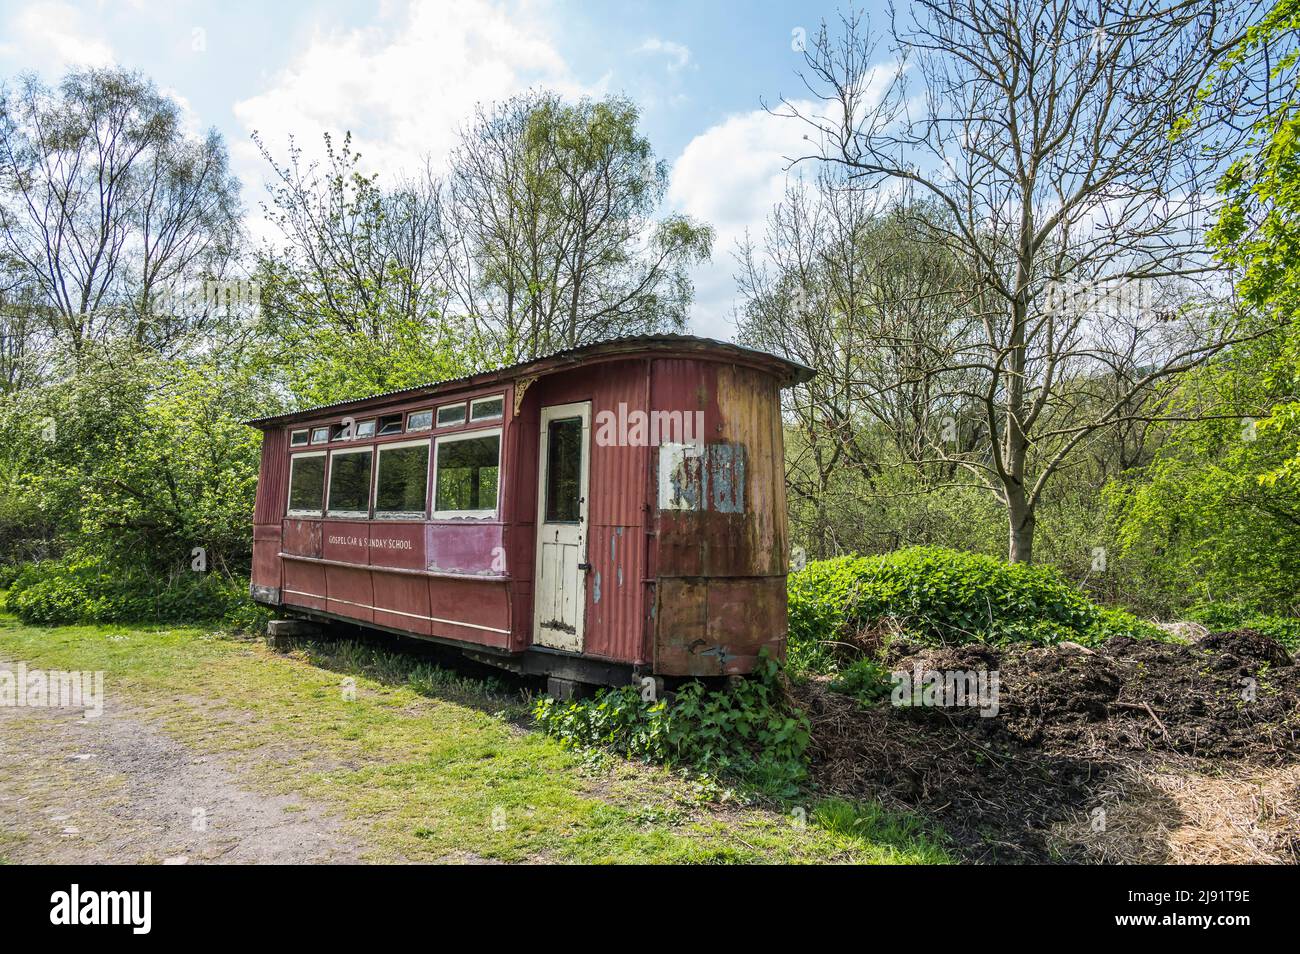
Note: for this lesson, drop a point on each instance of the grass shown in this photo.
(426, 764)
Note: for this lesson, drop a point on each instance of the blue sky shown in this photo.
(402, 76)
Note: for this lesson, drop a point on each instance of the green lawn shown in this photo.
(424, 764)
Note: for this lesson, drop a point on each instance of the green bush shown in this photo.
(88, 590)
(942, 597)
(746, 731)
(1228, 616)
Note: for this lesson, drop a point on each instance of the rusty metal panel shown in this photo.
(717, 627)
(720, 554)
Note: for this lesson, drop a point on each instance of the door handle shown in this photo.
(584, 566)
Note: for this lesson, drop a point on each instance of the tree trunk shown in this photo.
(1020, 519)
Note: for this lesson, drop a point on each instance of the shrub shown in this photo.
(747, 731)
(942, 597)
(88, 590)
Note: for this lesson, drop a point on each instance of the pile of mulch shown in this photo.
(1068, 719)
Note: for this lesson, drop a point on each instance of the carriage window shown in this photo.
(467, 474)
(306, 483)
(402, 480)
(349, 494)
(564, 470)
(320, 435)
(298, 438)
(451, 414)
(390, 424)
(419, 420)
(486, 409)
(366, 428)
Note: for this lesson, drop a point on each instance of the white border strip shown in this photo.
(381, 609)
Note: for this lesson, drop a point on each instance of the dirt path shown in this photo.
(115, 789)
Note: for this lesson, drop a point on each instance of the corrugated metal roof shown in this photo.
(791, 372)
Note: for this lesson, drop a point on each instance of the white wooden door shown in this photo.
(560, 595)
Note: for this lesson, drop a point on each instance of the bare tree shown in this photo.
(1074, 161)
(844, 281)
(108, 203)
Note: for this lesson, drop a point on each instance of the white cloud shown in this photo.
(677, 54)
(731, 176)
(53, 38)
(403, 87)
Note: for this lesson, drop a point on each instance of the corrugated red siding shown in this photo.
(615, 512)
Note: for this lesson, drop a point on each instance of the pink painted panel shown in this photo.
(469, 547)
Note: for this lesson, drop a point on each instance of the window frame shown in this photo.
(433, 483)
(288, 496)
(380, 430)
(483, 400)
(306, 437)
(437, 415)
(422, 514)
(316, 430)
(329, 483)
(433, 417)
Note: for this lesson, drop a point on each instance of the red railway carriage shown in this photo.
(611, 510)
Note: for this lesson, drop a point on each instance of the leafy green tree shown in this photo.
(1258, 231)
(350, 296)
(550, 223)
(138, 459)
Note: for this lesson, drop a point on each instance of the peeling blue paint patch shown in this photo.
(698, 479)
(720, 652)
(727, 477)
(595, 592)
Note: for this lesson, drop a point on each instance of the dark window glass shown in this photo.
(306, 483)
(468, 474)
(390, 424)
(563, 470)
(451, 414)
(487, 409)
(402, 480)
(350, 483)
(298, 438)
